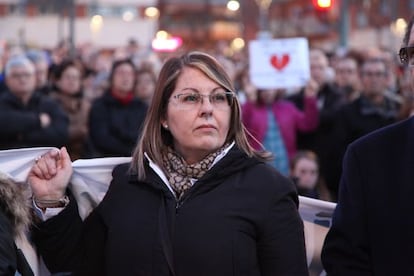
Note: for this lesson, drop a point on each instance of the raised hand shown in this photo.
(50, 175)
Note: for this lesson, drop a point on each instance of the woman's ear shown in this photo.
(164, 124)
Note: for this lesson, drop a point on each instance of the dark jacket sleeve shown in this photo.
(57, 133)
(67, 244)
(283, 228)
(12, 121)
(19, 126)
(58, 239)
(346, 250)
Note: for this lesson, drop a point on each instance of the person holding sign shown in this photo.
(197, 199)
(274, 123)
(372, 227)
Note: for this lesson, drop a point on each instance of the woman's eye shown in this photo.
(219, 98)
(191, 98)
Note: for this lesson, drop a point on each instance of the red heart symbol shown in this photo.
(280, 63)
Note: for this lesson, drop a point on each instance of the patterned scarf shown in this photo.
(179, 173)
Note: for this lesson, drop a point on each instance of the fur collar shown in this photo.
(15, 203)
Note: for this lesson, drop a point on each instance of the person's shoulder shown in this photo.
(43, 101)
(284, 103)
(120, 176)
(248, 105)
(352, 104)
(139, 102)
(102, 101)
(268, 179)
(121, 169)
(138, 105)
(7, 96)
(105, 97)
(389, 136)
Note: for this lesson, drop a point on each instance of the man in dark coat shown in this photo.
(372, 228)
(371, 111)
(27, 118)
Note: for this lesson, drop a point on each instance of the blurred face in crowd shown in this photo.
(374, 78)
(267, 96)
(318, 66)
(306, 172)
(70, 81)
(145, 86)
(41, 71)
(123, 79)
(21, 80)
(346, 73)
(201, 128)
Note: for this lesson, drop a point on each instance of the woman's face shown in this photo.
(268, 96)
(306, 171)
(70, 81)
(203, 128)
(145, 86)
(123, 79)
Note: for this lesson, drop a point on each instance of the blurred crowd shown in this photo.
(94, 102)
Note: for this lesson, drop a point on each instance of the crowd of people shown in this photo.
(198, 132)
(102, 98)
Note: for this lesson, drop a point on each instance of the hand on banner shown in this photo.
(50, 175)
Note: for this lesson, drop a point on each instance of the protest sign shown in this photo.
(279, 63)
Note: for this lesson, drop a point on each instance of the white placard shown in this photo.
(279, 63)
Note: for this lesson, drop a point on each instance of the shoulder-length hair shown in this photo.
(118, 63)
(155, 139)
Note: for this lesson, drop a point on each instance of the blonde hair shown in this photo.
(155, 139)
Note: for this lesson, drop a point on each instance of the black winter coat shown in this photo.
(240, 218)
(20, 125)
(114, 127)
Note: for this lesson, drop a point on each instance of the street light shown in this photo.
(233, 5)
(95, 25)
(152, 12)
(322, 4)
(264, 5)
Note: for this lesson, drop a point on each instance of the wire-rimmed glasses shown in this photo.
(191, 100)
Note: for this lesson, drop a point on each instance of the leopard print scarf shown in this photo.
(179, 173)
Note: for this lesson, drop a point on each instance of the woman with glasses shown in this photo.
(195, 200)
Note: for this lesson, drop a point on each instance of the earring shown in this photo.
(165, 126)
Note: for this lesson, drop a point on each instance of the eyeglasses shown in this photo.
(220, 100)
(406, 55)
(21, 75)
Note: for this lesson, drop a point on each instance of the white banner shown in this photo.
(91, 178)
